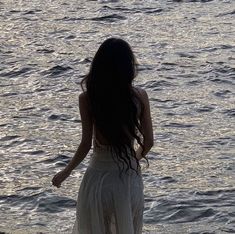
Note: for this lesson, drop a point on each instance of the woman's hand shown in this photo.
(59, 178)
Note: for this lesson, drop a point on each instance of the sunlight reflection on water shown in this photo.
(186, 55)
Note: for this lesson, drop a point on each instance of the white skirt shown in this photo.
(107, 204)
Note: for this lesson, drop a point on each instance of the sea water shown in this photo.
(185, 50)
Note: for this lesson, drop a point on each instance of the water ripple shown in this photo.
(16, 72)
(109, 18)
(56, 70)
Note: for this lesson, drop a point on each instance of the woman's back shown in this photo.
(99, 139)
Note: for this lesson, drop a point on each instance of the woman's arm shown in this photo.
(85, 145)
(146, 126)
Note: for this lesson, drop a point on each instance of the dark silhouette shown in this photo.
(114, 104)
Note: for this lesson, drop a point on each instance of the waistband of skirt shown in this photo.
(104, 160)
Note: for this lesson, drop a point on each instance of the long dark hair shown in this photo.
(113, 103)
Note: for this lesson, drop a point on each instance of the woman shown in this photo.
(116, 116)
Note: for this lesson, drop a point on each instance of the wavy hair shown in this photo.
(113, 103)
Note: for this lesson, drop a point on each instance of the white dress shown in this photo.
(107, 204)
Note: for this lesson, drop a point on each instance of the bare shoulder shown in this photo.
(83, 95)
(83, 98)
(83, 101)
(141, 93)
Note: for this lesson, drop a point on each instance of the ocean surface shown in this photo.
(186, 55)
